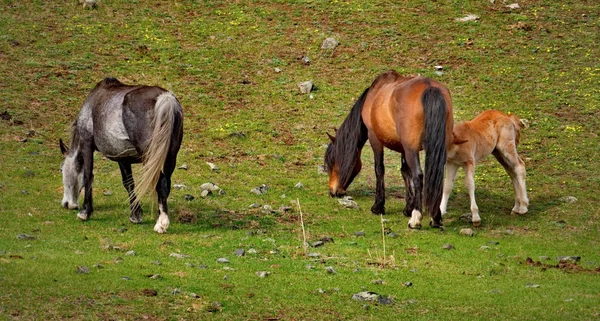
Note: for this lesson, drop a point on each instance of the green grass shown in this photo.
(219, 58)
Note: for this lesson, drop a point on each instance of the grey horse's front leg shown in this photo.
(87, 151)
(127, 176)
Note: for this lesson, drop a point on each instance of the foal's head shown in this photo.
(341, 166)
(72, 175)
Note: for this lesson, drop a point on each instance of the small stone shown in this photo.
(188, 197)
(484, 247)
(254, 205)
(213, 167)
(310, 266)
(215, 307)
(263, 274)
(205, 193)
(175, 291)
(348, 202)
(359, 233)
(329, 43)
(306, 86)
(189, 264)
(448, 246)
(571, 259)
(407, 284)
(509, 232)
(466, 231)
(209, 187)
(125, 278)
(131, 253)
(314, 255)
(532, 285)
(277, 69)
(513, 6)
(568, 199)
(179, 186)
(305, 60)
(83, 269)
(260, 190)
(299, 185)
(252, 251)
(222, 260)
(330, 270)
(317, 244)
(179, 255)
(379, 281)
(184, 167)
(157, 262)
(240, 252)
(468, 18)
(25, 237)
(195, 296)
(107, 193)
(155, 277)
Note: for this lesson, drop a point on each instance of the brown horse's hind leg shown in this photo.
(414, 165)
(408, 186)
(515, 167)
(379, 205)
(126, 175)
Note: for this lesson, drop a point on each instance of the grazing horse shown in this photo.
(127, 124)
(406, 115)
(492, 132)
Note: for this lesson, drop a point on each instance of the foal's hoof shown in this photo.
(476, 223)
(83, 216)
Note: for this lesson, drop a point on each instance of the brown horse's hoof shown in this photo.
(418, 227)
(436, 224)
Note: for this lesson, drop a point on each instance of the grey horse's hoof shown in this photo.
(83, 216)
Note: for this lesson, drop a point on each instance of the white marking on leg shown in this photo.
(162, 223)
(470, 184)
(415, 219)
(82, 216)
(448, 184)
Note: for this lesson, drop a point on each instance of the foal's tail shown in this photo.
(434, 106)
(167, 113)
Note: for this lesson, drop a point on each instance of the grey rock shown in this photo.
(83, 269)
(330, 270)
(484, 247)
(107, 193)
(513, 6)
(348, 202)
(205, 193)
(379, 281)
(317, 244)
(240, 252)
(179, 255)
(252, 251)
(263, 274)
(155, 276)
(543, 258)
(468, 18)
(131, 253)
(179, 187)
(222, 260)
(314, 255)
(571, 259)
(329, 43)
(448, 246)
(532, 285)
(125, 278)
(260, 190)
(254, 205)
(407, 284)
(277, 70)
(306, 86)
(212, 167)
(359, 233)
(209, 187)
(466, 231)
(184, 167)
(157, 262)
(25, 237)
(373, 297)
(299, 185)
(568, 199)
(175, 291)
(188, 197)
(305, 60)
(194, 296)
(98, 266)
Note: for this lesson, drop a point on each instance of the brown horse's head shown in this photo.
(342, 168)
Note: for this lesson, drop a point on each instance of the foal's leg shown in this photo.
(87, 150)
(451, 170)
(409, 186)
(412, 160)
(163, 189)
(136, 211)
(379, 206)
(470, 184)
(515, 167)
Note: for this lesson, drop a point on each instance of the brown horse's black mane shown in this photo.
(349, 140)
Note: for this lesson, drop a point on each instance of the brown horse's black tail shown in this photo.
(434, 106)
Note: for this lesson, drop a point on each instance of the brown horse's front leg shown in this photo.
(88, 177)
(379, 206)
(409, 187)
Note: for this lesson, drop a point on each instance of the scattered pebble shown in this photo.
(131, 253)
(260, 190)
(184, 167)
(252, 251)
(314, 255)
(379, 281)
(571, 259)
(213, 167)
(448, 246)
(532, 285)
(359, 233)
(330, 270)
(179, 256)
(317, 244)
(107, 193)
(188, 197)
(484, 247)
(240, 252)
(369, 296)
(568, 199)
(513, 6)
(263, 274)
(125, 278)
(466, 231)
(329, 43)
(299, 185)
(157, 262)
(205, 193)
(468, 18)
(407, 284)
(83, 269)
(306, 86)
(348, 202)
(179, 186)
(25, 237)
(222, 260)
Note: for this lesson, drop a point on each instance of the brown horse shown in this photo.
(492, 132)
(406, 115)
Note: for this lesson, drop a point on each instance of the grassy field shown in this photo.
(235, 66)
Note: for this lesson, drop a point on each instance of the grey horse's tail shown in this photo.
(153, 159)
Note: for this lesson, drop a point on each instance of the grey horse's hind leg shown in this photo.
(126, 174)
(163, 189)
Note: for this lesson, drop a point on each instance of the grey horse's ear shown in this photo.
(331, 138)
(63, 149)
